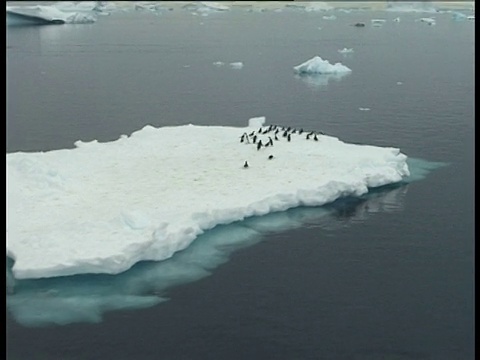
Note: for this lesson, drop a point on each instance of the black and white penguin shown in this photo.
(289, 137)
(315, 137)
(245, 165)
(259, 145)
(270, 157)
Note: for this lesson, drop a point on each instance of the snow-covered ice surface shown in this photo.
(102, 207)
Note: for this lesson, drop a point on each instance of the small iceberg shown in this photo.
(329, 17)
(345, 51)
(236, 65)
(317, 65)
(429, 21)
(378, 22)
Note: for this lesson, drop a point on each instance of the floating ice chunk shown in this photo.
(429, 21)
(46, 14)
(318, 6)
(329, 17)
(418, 7)
(215, 5)
(317, 65)
(236, 65)
(256, 122)
(397, 19)
(363, 109)
(205, 6)
(399, 83)
(471, 17)
(218, 63)
(378, 22)
(458, 16)
(345, 51)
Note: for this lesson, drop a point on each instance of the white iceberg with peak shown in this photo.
(317, 65)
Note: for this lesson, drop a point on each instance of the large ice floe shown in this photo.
(102, 207)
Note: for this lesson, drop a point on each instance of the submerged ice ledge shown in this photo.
(102, 207)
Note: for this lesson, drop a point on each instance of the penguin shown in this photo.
(308, 136)
(285, 133)
(276, 138)
(315, 137)
(246, 164)
(259, 145)
(300, 131)
(254, 138)
(289, 137)
(270, 141)
(252, 133)
(270, 157)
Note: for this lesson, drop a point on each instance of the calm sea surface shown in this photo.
(388, 277)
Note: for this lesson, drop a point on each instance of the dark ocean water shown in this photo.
(388, 276)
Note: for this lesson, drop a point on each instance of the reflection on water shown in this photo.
(318, 81)
(85, 298)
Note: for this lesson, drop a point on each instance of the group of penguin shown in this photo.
(277, 132)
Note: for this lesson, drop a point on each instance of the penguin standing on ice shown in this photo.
(270, 157)
(259, 145)
(245, 165)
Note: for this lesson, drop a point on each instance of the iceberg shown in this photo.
(317, 65)
(43, 14)
(429, 21)
(236, 65)
(103, 207)
(345, 51)
(85, 298)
